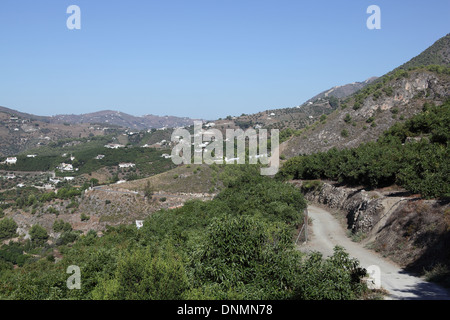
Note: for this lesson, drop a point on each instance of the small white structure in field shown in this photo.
(69, 178)
(139, 223)
(99, 157)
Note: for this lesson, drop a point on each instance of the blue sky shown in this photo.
(201, 58)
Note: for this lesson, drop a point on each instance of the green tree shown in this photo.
(8, 228)
(142, 276)
(38, 235)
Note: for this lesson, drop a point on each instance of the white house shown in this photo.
(11, 160)
(100, 157)
(114, 146)
(69, 178)
(65, 167)
(31, 155)
(126, 165)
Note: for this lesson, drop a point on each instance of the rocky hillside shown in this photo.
(297, 117)
(363, 120)
(396, 96)
(437, 54)
(20, 131)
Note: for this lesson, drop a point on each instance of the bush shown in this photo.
(8, 228)
(344, 133)
(38, 235)
(142, 276)
(60, 226)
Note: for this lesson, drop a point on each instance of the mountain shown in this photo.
(394, 97)
(21, 131)
(437, 54)
(342, 91)
(125, 120)
(297, 117)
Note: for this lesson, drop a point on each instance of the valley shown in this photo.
(369, 160)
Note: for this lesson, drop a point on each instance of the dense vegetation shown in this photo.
(237, 246)
(413, 154)
(147, 160)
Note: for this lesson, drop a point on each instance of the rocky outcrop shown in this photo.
(363, 209)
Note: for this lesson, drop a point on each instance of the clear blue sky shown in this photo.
(201, 58)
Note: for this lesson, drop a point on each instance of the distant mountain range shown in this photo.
(108, 117)
(125, 120)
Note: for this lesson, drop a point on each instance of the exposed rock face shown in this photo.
(363, 209)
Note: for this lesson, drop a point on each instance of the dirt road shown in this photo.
(327, 233)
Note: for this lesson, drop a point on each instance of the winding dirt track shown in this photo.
(327, 233)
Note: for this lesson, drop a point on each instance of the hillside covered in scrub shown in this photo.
(237, 246)
(413, 154)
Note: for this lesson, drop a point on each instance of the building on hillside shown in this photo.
(65, 167)
(126, 165)
(114, 146)
(11, 160)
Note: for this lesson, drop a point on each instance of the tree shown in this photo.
(142, 276)
(38, 235)
(148, 190)
(8, 228)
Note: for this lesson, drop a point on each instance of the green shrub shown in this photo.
(38, 235)
(344, 133)
(8, 228)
